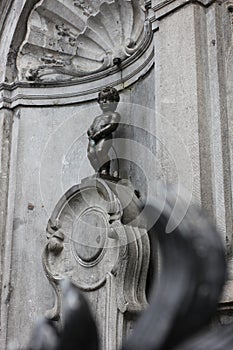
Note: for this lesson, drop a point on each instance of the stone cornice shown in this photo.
(161, 8)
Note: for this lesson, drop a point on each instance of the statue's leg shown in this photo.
(93, 158)
(102, 149)
(105, 169)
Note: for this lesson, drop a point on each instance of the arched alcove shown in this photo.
(14, 15)
(50, 116)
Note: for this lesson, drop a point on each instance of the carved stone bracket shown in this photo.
(94, 240)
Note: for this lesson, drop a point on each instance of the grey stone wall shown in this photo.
(176, 127)
(48, 157)
(193, 47)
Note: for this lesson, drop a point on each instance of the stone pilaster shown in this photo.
(192, 119)
(6, 206)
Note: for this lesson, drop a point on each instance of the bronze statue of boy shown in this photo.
(100, 131)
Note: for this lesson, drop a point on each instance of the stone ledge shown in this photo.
(162, 8)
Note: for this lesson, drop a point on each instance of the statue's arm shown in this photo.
(90, 131)
(109, 128)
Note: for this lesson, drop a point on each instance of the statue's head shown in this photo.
(108, 99)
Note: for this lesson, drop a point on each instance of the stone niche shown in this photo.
(70, 51)
(74, 39)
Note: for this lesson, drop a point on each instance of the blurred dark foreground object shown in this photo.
(183, 300)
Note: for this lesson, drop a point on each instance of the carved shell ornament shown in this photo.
(69, 39)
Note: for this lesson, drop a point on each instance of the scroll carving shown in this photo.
(94, 243)
(67, 40)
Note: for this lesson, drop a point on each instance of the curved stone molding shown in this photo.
(69, 39)
(83, 89)
(93, 240)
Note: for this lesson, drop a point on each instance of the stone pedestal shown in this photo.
(97, 239)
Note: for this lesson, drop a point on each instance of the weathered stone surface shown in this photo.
(162, 8)
(193, 104)
(75, 39)
(96, 239)
(191, 46)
